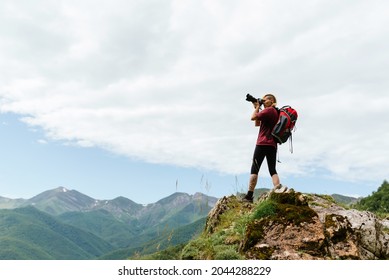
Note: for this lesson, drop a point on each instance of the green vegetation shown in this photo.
(377, 202)
(27, 233)
(265, 209)
(172, 228)
(344, 200)
(224, 241)
(157, 241)
(216, 246)
(104, 225)
(65, 224)
(171, 253)
(241, 225)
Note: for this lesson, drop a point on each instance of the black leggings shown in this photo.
(262, 151)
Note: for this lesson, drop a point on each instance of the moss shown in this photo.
(254, 233)
(280, 209)
(263, 253)
(284, 215)
(265, 209)
(292, 214)
(341, 233)
(288, 207)
(292, 198)
(324, 201)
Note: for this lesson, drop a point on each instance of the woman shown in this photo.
(266, 147)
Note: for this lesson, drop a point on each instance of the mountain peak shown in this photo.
(63, 189)
(59, 190)
(60, 200)
(120, 205)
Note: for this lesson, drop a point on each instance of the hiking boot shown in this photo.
(247, 199)
(280, 189)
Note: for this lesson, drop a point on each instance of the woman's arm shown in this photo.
(254, 115)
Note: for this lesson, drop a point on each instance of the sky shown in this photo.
(145, 98)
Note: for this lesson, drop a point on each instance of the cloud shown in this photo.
(164, 81)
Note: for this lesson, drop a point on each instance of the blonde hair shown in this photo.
(274, 99)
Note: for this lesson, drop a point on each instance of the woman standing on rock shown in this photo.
(266, 147)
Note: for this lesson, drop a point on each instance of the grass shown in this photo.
(224, 242)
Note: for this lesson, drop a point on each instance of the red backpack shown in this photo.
(286, 121)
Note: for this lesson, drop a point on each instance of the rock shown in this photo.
(221, 206)
(296, 226)
(371, 239)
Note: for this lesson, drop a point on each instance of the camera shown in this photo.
(252, 99)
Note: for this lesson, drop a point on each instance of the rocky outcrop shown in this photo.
(369, 233)
(294, 226)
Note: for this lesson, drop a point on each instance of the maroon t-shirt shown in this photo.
(268, 118)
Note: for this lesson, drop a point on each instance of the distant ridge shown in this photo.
(9, 203)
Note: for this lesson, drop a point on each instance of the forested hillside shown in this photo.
(377, 202)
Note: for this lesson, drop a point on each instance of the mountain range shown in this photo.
(66, 224)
